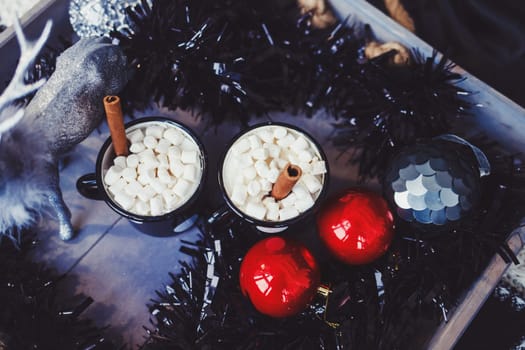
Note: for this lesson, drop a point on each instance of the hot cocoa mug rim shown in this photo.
(100, 190)
(272, 224)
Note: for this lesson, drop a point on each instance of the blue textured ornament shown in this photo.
(434, 182)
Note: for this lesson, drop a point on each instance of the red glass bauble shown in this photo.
(279, 276)
(357, 227)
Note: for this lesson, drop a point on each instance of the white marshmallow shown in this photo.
(141, 208)
(239, 194)
(266, 135)
(245, 160)
(273, 150)
(155, 130)
(163, 160)
(129, 174)
(241, 146)
(156, 205)
(158, 186)
(261, 168)
(273, 174)
(304, 204)
(271, 204)
(132, 161)
(133, 188)
(266, 186)
(286, 141)
(118, 186)
(112, 175)
(304, 156)
(189, 156)
(135, 136)
(181, 187)
(174, 153)
(288, 213)
(163, 146)
(188, 145)
(281, 163)
(305, 167)
(272, 215)
(170, 199)
(174, 136)
(255, 210)
(164, 176)
(120, 161)
(299, 144)
(311, 182)
(124, 200)
(318, 168)
(279, 132)
(301, 191)
(190, 173)
(137, 147)
(146, 154)
(255, 142)
(254, 188)
(176, 168)
(150, 141)
(143, 180)
(249, 173)
(289, 200)
(259, 153)
(146, 193)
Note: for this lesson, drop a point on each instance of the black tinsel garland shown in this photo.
(231, 59)
(227, 59)
(32, 316)
(398, 105)
(389, 304)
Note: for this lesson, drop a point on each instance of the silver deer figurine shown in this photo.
(63, 112)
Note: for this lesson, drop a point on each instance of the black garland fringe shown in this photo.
(31, 316)
(390, 304)
(390, 106)
(232, 59)
(227, 58)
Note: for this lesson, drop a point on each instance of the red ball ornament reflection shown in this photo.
(279, 276)
(357, 227)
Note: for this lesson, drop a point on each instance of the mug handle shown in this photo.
(88, 187)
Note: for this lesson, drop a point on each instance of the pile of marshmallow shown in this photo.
(160, 174)
(254, 162)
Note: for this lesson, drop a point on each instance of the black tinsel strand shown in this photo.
(32, 315)
(226, 59)
(398, 105)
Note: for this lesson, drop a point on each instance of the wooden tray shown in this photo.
(499, 117)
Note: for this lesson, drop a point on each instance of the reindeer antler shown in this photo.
(17, 87)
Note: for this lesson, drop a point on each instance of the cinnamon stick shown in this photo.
(116, 125)
(286, 181)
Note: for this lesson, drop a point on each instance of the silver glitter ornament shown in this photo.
(435, 182)
(91, 18)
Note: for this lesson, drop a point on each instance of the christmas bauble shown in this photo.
(357, 227)
(434, 182)
(279, 276)
(92, 18)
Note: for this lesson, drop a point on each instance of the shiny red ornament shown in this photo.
(357, 227)
(279, 276)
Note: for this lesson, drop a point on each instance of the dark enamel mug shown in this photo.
(225, 184)
(176, 221)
